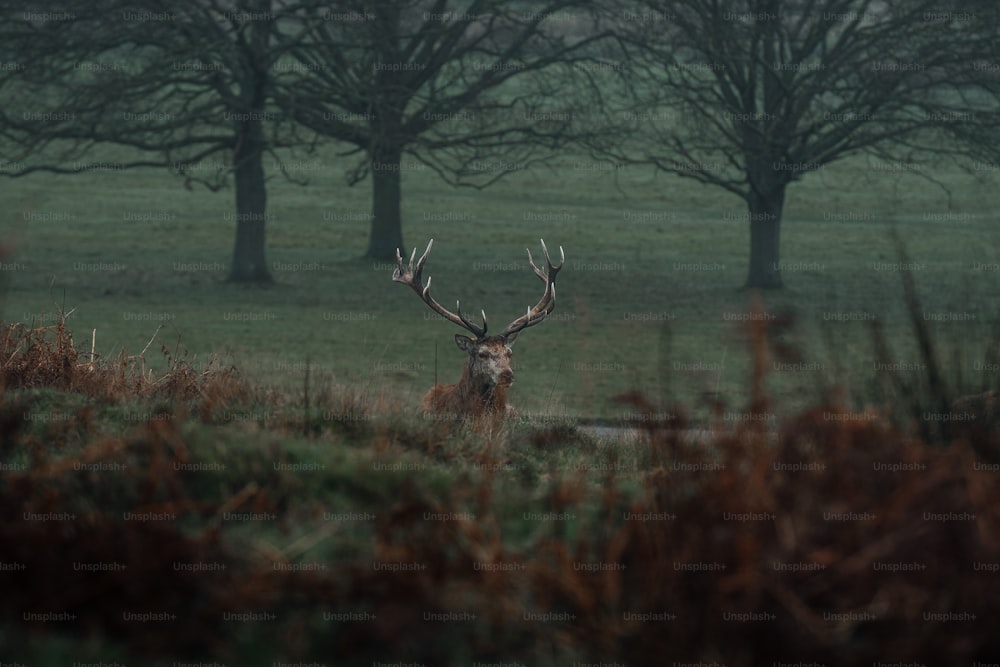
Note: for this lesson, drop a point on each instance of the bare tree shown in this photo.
(188, 84)
(471, 90)
(751, 95)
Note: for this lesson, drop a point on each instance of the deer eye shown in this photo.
(484, 355)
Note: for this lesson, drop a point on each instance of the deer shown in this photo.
(487, 376)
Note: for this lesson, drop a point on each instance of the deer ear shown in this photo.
(509, 340)
(464, 342)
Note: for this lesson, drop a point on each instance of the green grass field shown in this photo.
(648, 298)
(301, 502)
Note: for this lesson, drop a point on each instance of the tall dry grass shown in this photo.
(838, 535)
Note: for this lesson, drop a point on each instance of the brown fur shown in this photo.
(482, 389)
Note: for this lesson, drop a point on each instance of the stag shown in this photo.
(482, 390)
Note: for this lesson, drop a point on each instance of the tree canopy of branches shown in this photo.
(751, 95)
(472, 90)
(190, 84)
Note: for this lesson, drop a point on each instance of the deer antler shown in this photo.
(547, 303)
(410, 275)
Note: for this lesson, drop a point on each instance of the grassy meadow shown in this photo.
(197, 504)
(649, 298)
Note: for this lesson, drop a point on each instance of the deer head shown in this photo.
(489, 359)
(488, 373)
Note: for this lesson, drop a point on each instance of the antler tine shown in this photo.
(547, 303)
(411, 275)
(548, 261)
(471, 326)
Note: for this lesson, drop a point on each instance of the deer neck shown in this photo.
(482, 397)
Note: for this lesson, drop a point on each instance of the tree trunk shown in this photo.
(765, 238)
(387, 227)
(249, 262)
